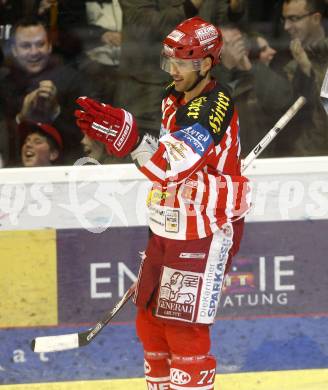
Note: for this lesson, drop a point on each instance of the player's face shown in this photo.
(31, 48)
(298, 21)
(183, 76)
(36, 151)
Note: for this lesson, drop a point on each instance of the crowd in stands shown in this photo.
(53, 51)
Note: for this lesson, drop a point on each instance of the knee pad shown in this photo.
(157, 370)
(192, 372)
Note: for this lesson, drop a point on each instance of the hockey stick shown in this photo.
(324, 93)
(75, 340)
(266, 140)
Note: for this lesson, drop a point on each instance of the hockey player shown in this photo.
(196, 206)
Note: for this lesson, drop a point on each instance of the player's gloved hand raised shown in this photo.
(113, 126)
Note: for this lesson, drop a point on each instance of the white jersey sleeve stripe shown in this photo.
(225, 152)
(155, 170)
(230, 197)
(211, 204)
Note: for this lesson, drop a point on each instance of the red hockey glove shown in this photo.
(115, 127)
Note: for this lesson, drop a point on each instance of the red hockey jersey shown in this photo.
(197, 185)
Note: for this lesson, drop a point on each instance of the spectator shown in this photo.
(10, 12)
(141, 82)
(219, 12)
(88, 34)
(67, 21)
(39, 87)
(260, 49)
(261, 95)
(41, 144)
(97, 150)
(102, 46)
(305, 70)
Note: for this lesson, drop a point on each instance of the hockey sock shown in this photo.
(157, 370)
(192, 372)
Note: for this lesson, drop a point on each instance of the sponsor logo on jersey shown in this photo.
(187, 255)
(155, 196)
(197, 137)
(178, 294)
(172, 221)
(195, 106)
(206, 34)
(218, 113)
(176, 149)
(191, 183)
(218, 279)
(179, 377)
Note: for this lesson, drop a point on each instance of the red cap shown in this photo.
(26, 127)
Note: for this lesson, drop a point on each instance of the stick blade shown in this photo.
(55, 343)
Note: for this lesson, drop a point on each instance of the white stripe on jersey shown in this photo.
(169, 119)
(183, 212)
(211, 203)
(199, 204)
(214, 275)
(230, 197)
(155, 170)
(225, 152)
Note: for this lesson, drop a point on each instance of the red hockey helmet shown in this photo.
(191, 41)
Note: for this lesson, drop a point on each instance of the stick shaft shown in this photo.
(93, 332)
(267, 139)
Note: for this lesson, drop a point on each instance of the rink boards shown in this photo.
(59, 274)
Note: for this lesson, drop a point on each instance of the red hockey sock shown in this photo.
(157, 370)
(192, 372)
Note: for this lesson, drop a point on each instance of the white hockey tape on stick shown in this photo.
(266, 140)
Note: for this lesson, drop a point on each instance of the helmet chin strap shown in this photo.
(197, 81)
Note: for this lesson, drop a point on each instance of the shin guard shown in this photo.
(157, 370)
(192, 372)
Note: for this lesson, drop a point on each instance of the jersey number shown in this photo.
(207, 376)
